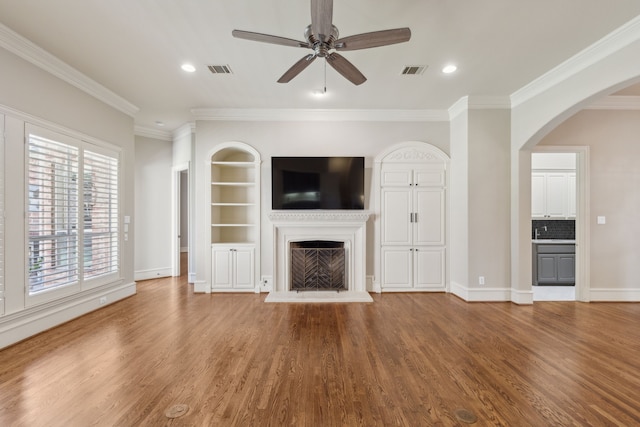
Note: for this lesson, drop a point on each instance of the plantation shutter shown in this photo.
(2, 215)
(100, 214)
(52, 213)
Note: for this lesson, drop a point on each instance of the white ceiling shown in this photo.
(135, 49)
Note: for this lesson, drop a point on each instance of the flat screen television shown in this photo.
(317, 183)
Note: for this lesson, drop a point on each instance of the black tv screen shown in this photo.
(317, 183)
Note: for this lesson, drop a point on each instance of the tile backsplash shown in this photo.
(556, 229)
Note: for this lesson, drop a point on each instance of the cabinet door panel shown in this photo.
(538, 195)
(547, 271)
(566, 268)
(396, 228)
(222, 271)
(429, 268)
(571, 195)
(429, 217)
(429, 177)
(396, 177)
(557, 195)
(244, 268)
(396, 268)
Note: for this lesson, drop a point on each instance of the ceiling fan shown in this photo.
(322, 38)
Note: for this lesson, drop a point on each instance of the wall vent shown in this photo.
(219, 69)
(412, 70)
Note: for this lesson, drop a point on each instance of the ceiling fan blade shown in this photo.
(321, 17)
(374, 39)
(266, 38)
(297, 68)
(346, 68)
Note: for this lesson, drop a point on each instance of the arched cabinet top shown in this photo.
(412, 152)
(235, 152)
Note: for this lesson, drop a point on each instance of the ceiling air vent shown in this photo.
(412, 70)
(219, 69)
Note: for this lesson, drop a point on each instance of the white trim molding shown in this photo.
(609, 44)
(482, 294)
(154, 273)
(26, 323)
(29, 51)
(614, 295)
(319, 115)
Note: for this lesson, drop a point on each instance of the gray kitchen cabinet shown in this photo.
(554, 264)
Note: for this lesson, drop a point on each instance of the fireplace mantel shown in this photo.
(345, 226)
(319, 216)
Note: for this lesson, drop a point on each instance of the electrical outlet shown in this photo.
(481, 280)
(103, 300)
(266, 283)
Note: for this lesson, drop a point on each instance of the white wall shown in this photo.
(29, 94)
(298, 139)
(153, 208)
(613, 138)
(480, 198)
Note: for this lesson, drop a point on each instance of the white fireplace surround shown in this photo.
(344, 226)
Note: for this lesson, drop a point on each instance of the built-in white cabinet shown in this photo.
(413, 229)
(235, 217)
(233, 267)
(553, 195)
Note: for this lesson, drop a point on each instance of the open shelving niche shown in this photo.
(235, 214)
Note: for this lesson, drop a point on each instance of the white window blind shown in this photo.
(72, 213)
(100, 190)
(52, 214)
(2, 214)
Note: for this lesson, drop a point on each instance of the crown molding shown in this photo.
(609, 44)
(184, 130)
(146, 132)
(467, 103)
(318, 115)
(30, 52)
(616, 103)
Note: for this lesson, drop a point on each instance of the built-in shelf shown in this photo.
(235, 215)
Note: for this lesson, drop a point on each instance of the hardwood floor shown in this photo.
(406, 360)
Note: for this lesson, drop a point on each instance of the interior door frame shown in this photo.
(583, 281)
(176, 174)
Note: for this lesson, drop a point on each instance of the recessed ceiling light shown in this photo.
(449, 69)
(188, 68)
(159, 123)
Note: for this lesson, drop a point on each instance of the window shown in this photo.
(61, 215)
(2, 215)
(100, 192)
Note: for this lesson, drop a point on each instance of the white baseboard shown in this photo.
(152, 274)
(522, 297)
(481, 294)
(18, 326)
(372, 286)
(201, 287)
(614, 295)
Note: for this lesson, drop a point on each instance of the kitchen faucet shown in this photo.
(537, 233)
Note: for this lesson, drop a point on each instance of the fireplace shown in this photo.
(343, 228)
(317, 265)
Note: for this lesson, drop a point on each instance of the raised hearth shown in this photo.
(346, 227)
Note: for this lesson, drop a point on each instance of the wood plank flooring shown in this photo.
(403, 360)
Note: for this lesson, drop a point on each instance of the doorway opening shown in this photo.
(559, 237)
(181, 234)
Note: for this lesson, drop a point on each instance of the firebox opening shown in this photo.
(318, 265)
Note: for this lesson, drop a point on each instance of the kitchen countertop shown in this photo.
(553, 242)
